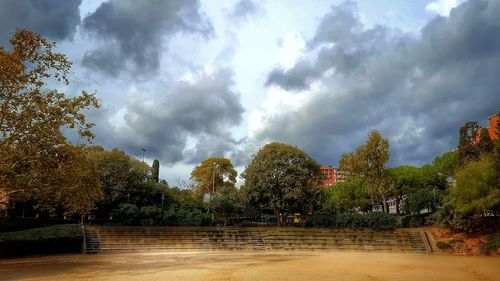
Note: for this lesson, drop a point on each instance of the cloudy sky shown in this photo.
(189, 79)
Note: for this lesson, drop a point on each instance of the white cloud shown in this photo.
(292, 46)
(442, 7)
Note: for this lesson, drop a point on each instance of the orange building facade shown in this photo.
(492, 129)
(331, 176)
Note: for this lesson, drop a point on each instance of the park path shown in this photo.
(245, 266)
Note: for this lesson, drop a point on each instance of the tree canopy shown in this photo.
(367, 162)
(213, 173)
(281, 177)
(32, 145)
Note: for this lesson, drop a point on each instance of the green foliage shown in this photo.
(226, 201)
(381, 221)
(417, 220)
(443, 245)
(121, 175)
(348, 196)
(493, 243)
(485, 144)
(446, 164)
(477, 189)
(455, 241)
(155, 171)
(213, 173)
(42, 241)
(126, 213)
(282, 177)
(150, 215)
(367, 162)
(425, 198)
(48, 232)
(34, 151)
(351, 220)
(467, 148)
(186, 216)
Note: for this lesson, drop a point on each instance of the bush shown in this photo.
(352, 220)
(324, 219)
(381, 221)
(185, 216)
(41, 241)
(16, 224)
(443, 245)
(494, 243)
(126, 213)
(416, 220)
(455, 241)
(150, 215)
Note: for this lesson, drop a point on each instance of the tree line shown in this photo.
(44, 174)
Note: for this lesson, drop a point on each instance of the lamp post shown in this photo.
(143, 150)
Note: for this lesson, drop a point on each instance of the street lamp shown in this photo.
(143, 150)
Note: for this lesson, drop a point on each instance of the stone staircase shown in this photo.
(120, 238)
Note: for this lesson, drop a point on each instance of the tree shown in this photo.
(368, 163)
(282, 177)
(405, 180)
(350, 196)
(212, 174)
(477, 189)
(32, 145)
(485, 144)
(225, 201)
(155, 172)
(467, 148)
(120, 174)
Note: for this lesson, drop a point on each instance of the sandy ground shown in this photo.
(262, 266)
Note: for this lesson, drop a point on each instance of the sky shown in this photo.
(187, 80)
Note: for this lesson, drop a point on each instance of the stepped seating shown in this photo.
(104, 238)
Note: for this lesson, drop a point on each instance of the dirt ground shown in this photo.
(261, 266)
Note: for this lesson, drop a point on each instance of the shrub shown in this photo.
(443, 245)
(381, 221)
(494, 243)
(324, 219)
(185, 216)
(352, 220)
(150, 215)
(41, 241)
(455, 241)
(126, 213)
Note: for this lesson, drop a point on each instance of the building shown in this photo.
(493, 129)
(329, 174)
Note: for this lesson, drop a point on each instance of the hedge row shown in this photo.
(16, 224)
(41, 241)
(374, 220)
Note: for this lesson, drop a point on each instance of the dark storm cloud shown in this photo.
(244, 9)
(417, 91)
(188, 124)
(54, 19)
(133, 32)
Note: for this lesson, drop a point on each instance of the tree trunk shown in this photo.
(384, 204)
(397, 205)
(279, 219)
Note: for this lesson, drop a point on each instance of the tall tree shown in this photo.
(368, 162)
(155, 172)
(282, 177)
(120, 174)
(485, 144)
(32, 115)
(405, 180)
(477, 189)
(212, 174)
(467, 148)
